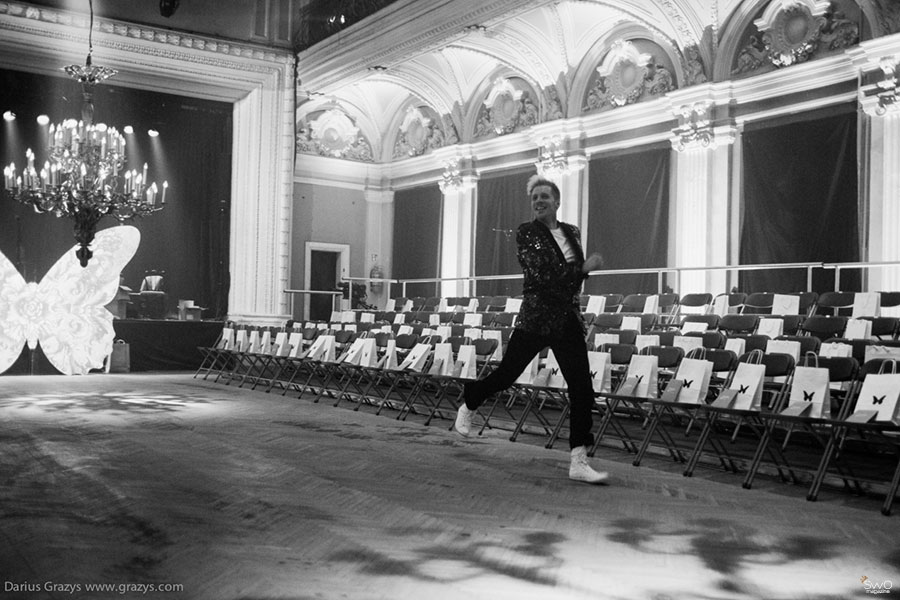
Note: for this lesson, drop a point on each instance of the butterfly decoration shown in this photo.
(66, 311)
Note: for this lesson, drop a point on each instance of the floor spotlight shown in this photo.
(128, 130)
(43, 120)
(9, 116)
(152, 133)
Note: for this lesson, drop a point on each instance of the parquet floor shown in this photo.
(230, 494)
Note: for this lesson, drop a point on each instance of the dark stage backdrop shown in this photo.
(417, 239)
(628, 218)
(189, 239)
(800, 200)
(503, 205)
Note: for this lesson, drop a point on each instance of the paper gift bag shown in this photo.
(596, 305)
(444, 331)
(120, 357)
(443, 352)
(601, 371)
(513, 305)
(879, 396)
(226, 342)
(771, 328)
(416, 359)
(389, 360)
(354, 352)
(748, 385)
(472, 320)
(858, 329)
(368, 356)
(404, 330)
(785, 304)
(241, 341)
(399, 319)
(866, 304)
(687, 342)
(493, 334)
(631, 323)
(643, 341)
(350, 327)
(407, 306)
(281, 347)
(810, 393)
(691, 326)
(883, 352)
(791, 347)
(265, 342)
(391, 305)
(295, 341)
(605, 338)
(467, 362)
(644, 368)
(837, 349)
(651, 305)
(473, 305)
(720, 306)
(555, 378)
(694, 375)
(322, 348)
(253, 342)
(474, 334)
(443, 306)
(348, 316)
(367, 317)
(736, 345)
(335, 317)
(434, 319)
(527, 376)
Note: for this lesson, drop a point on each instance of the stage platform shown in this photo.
(154, 345)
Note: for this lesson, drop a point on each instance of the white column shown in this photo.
(261, 203)
(699, 217)
(884, 200)
(379, 242)
(457, 238)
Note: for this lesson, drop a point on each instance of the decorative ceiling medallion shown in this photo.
(332, 133)
(509, 106)
(624, 69)
(791, 29)
(419, 133)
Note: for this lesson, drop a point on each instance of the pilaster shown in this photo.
(379, 243)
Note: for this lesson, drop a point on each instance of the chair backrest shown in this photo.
(695, 303)
(807, 301)
(456, 341)
(607, 320)
(711, 339)
(619, 354)
(735, 300)
(777, 364)
(808, 343)
(753, 341)
(884, 326)
(835, 303)
(613, 302)
(791, 323)
(731, 324)
(840, 368)
(712, 321)
(890, 299)
(823, 327)
(503, 319)
(626, 336)
(669, 357)
(633, 303)
(758, 303)
(722, 360)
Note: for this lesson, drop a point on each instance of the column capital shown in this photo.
(879, 94)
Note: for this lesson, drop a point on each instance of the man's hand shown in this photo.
(593, 262)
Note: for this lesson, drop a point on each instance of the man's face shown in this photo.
(543, 204)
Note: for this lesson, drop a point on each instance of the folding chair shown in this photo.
(668, 309)
(732, 324)
(884, 327)
(212, 355)
(733, 301)
(863, 448)
(834, 304)
(634, 303)
(694, 303)
(823, 327)
(758, 303)
(723, 419)
(783, 428)
(711, 321)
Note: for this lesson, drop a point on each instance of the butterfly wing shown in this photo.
(75, 328)
(16, 302)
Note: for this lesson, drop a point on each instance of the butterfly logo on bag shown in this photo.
(878, 400)
(687, 383)
(808, 396)
(744, 389)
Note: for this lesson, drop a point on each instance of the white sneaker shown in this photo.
(463, 423)
(580, 470)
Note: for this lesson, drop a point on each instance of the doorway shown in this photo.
(326, 266)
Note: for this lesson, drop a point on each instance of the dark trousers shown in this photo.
(570, 350)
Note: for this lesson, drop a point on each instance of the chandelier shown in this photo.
(84, 177)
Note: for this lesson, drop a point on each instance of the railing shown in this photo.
(660, 272)
(335, 296)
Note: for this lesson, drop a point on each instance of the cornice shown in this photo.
(29, 19)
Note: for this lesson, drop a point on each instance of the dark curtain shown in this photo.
(628, 218)
(501, 206)
(417, 239)
(189, 239)
(800, 202)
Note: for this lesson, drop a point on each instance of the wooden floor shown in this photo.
(222, 493)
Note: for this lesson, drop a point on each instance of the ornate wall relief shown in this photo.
(332, 133)
(628, 75)
(788, 32)
(510, 106)
(421, 131)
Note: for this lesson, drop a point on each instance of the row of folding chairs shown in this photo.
(835, 431)
(406, 372)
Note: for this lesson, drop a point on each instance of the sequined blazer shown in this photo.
(552, 287)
